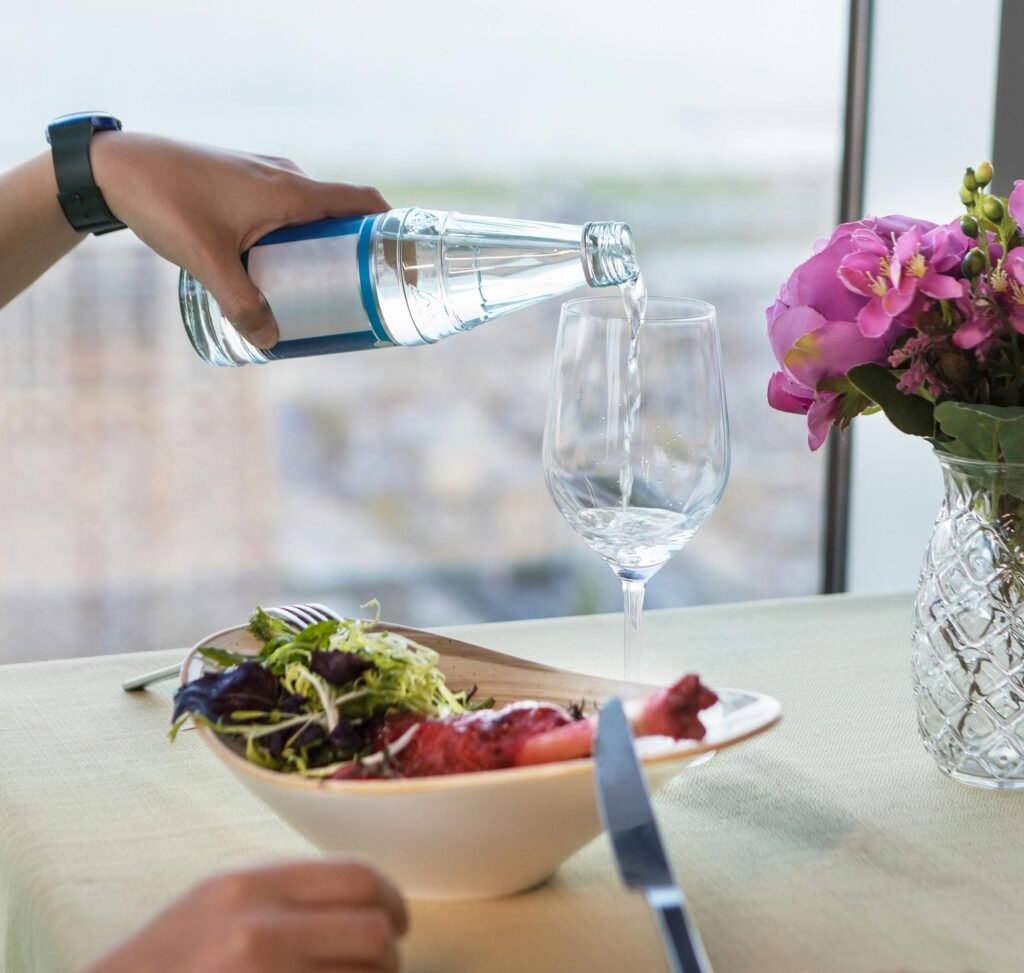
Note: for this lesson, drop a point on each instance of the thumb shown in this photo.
(336, 199)
(240, 300)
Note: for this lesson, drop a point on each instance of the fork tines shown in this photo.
(299, 616)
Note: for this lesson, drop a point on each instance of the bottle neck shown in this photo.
(609, 254)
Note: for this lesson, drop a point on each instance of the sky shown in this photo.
(461, 86)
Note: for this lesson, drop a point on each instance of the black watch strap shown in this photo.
(79, 196)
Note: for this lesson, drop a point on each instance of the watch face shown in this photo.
(98, 120)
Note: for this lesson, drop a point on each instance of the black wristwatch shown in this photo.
(80, 198)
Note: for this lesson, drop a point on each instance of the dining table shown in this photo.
(832, 842)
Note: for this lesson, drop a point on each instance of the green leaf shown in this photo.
(223, 657)
(909, 413)
(839, 383)
(852, 404)
(176, 727)
(1011, 440)
(976, 429)
(318, 634)
(265, 626)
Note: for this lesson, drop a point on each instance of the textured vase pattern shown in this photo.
(968, 644)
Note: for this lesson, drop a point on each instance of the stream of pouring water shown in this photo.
(634, 301)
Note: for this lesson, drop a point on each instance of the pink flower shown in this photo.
(813, 331)
(927, 307)
(918, 373)
(1009, 284)
(895, 273)
(1015, 204)
(980, 323)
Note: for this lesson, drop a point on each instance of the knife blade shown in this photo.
(629, 820)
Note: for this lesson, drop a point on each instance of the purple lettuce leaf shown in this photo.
(217, 695)
(338, 668)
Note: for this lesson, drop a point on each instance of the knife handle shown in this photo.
(682, 941)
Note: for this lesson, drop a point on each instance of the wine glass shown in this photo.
(636, 458)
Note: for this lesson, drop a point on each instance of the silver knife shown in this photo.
(629, 820)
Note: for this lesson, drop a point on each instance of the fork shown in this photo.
(297, 616)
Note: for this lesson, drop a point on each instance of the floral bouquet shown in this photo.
(926, 324)
(922, 322)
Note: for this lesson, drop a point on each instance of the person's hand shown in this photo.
(201, 208)
(293, 918)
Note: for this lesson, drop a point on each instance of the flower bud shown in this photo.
(955, 367)
(970, 180)
(973, 263)
(966, 196)
(969, 226)
(992, 208)
(983, 173)
(930, 321)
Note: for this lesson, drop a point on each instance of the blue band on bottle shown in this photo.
(366, 281)
(318, 230)
(323, 345)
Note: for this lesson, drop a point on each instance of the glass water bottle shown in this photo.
(406, 277)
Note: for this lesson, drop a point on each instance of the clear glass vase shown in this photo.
(968, 644)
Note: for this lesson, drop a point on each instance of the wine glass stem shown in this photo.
(633, 606)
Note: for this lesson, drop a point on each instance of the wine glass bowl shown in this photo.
(636, 461)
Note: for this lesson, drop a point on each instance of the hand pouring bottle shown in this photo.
(406, 277)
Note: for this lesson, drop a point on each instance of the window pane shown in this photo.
(149, 497)
(918, 147)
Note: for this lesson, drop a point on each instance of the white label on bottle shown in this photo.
(312, 286)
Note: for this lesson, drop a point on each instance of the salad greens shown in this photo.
(313, 699)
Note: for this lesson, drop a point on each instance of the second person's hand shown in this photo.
(202, 207)
(293, 918)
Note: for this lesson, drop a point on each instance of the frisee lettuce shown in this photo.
(313, 725)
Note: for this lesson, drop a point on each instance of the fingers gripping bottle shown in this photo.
(406, 277)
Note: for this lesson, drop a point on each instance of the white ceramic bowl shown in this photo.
(469, 836)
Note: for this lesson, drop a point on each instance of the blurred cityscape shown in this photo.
(148, 497)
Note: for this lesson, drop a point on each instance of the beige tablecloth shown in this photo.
(831, 843)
